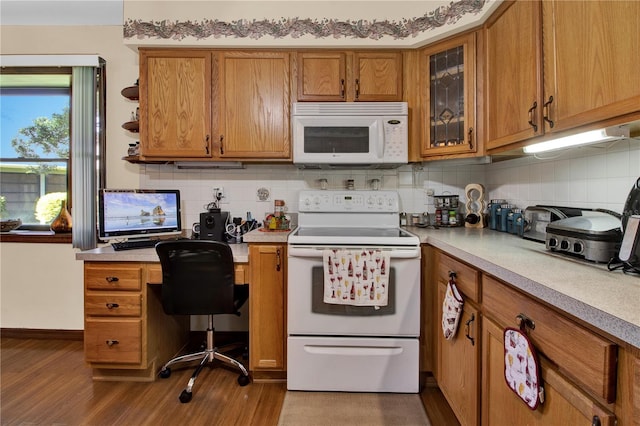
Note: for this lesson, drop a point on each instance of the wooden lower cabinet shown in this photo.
(127, 335)
(458, 363)
(267, 311)
(587, 377)
(564, 403)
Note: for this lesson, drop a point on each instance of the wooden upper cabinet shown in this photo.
(554, 65)
(377, 76)
(322, 76)
(254, 105)
(590, 61)
(336, 76)
(448, 85)
(513, 85)
(175, 103)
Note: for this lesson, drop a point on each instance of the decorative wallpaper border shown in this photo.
(297, 27)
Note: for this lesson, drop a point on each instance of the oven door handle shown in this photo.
(316, 252)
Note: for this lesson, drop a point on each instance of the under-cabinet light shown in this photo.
(209, 165)
(594, 136)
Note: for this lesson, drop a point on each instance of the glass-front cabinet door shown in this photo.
(448, 83)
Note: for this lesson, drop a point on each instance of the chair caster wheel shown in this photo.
(243, 380)
(185, 396)
(165, 373)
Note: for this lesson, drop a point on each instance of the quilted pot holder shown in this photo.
(451, 309)
(521, 368)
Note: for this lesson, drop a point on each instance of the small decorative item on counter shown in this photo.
(415, 219)
(62, 223)
(453, 220)
(494, 209)
(505, 209)
(447, 210)
(403, 219)
(475, 206)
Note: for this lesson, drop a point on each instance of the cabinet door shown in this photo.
(513, 79)
(267, 332)
(321, 76)
(590, 69)
(564, 403)
(377, 76)
(448, 97)
(175, 104)
(254, 105)
(458, 363)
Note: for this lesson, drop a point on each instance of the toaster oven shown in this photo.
(536, 219)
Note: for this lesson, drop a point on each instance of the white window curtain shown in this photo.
(87, 142)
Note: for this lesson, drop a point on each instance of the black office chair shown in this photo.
(198, 279)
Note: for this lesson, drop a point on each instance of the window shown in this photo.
(35, 144)
(61, 151)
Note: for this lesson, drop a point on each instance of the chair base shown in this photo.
(206, 356)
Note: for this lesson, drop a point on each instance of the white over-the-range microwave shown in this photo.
(350, 134)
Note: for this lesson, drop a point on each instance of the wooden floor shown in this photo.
(46, 382)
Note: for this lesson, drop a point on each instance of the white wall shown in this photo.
(41, 284)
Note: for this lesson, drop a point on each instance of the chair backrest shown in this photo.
(197, 277)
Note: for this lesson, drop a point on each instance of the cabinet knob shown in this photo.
(111, 342)
(112, 305)
(112, 279)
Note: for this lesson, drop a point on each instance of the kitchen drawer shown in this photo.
(113, 341)
(154, 273)
(241, 273)
(585, 357)
(106, 276)
(467, 278)
(113, 304)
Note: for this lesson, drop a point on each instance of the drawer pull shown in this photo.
(112, 305)
(524, 321)
(111, 342)
(466, 328)
(112, 279)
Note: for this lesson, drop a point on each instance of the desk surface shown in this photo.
(108, 254)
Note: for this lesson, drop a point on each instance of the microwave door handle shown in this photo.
(380, 146)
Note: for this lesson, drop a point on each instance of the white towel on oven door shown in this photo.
(358, 277)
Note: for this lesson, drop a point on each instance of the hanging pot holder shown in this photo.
(521, 367)
(451, 308)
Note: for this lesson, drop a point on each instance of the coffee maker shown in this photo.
(213, 225)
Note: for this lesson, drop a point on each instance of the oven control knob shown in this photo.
(564, 245)
(370, 201)
(578, 247)
(553, 242)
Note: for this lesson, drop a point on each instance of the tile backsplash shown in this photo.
(589, 177)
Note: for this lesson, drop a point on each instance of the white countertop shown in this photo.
(607, 300)
(108, 254)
